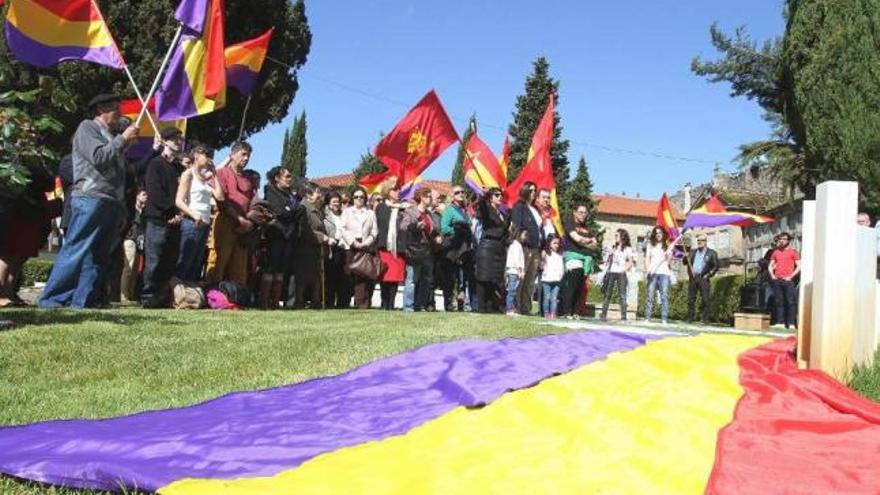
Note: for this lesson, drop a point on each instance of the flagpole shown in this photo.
(159, 74)
(141, 98)
(247, 105)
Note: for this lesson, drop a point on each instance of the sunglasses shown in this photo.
(496, 195)
(358, 196)
(457, 192)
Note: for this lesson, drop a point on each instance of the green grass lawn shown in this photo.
(94, 364)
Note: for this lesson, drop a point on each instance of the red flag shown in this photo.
(417, 140)
(539, 166)
(666, 218)
(215, 58)
(504, 160)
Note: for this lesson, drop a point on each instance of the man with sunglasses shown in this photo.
(456, 260)
(704, 263)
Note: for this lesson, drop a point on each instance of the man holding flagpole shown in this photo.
(98, 208)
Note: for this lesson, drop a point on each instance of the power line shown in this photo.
(502, 129)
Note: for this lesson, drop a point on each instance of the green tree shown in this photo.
(580, 192)
(296, 151)
(143, 30)
(530, 107)
(367, 165)
(285, 149)
(756, 73)
(832, 75)
(457, 173)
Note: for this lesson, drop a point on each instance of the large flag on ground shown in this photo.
(666, 218)
(714, 214)
(141, 147)
(539, 166)
(481, 169)
(416, 141)
(46, 32)
(195, 83)
(245, 60)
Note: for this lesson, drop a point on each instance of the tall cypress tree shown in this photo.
(530, 107)
(298, 148)
(580, 192)
(285, 150)
(457, 173)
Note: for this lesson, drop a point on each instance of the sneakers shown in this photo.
(778, 325)
(512, 313)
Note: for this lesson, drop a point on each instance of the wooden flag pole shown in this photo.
(247, 105)
(158, 78)
(143, 103)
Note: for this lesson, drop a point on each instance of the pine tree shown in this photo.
(530, 107)
(580, 192)
(833, 105)
(298, 148)
(457, 172)
(285, 150)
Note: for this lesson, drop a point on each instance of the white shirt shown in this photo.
(200, 195)
(554, 268)
(619, 257)
(359, 223)
(516, 261)
(657, 261)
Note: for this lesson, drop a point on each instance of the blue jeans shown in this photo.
(512, 286)
(655, 283)
(83, 264)
(418, 287)
(193, 245)
(785, 296)
(550, 293)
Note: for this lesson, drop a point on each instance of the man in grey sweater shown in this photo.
(97, 207)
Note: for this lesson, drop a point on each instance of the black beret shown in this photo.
(170, 133)
(103, 98)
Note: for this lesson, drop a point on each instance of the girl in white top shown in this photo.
(515, 268)
(553, 269)
(620, 261)
(194, 194)
(659, 273)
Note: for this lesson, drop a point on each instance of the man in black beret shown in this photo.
(97, 208)
(162, 234)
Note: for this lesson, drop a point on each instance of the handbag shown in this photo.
(365, 264)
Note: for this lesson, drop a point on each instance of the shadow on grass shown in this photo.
(42, 317)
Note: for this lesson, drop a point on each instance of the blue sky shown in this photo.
(623, 67)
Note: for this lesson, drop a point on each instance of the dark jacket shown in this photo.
(313, 233)
(521, 218)
(161, 182)
(491, 252)
(383, 219)
(283, 205)
(418, 242)
(710, 266)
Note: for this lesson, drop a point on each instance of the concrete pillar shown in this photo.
(834, 292)
(808, 259)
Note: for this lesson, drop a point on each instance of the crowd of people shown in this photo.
(150, 230)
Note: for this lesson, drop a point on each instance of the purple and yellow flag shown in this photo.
(195, 83)
(714, 214)
(245, 60)
(44, 33)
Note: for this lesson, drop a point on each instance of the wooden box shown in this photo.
(751, 321)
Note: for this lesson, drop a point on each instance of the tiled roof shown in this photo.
(634, 207)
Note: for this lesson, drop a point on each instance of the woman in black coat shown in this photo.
(491, 251)
(279, 235)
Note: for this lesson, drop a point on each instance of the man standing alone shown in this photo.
(97, 208)
(784, 267)
(704, 263)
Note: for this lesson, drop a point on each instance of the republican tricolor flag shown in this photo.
(666, 218)
(45, 32)
(195, 83)
(141, 147)
(244, 61)
(481, 169)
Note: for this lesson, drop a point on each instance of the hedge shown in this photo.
(35, 270)
(724, 299)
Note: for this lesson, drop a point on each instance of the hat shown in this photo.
(170, 133)
(103, 98)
